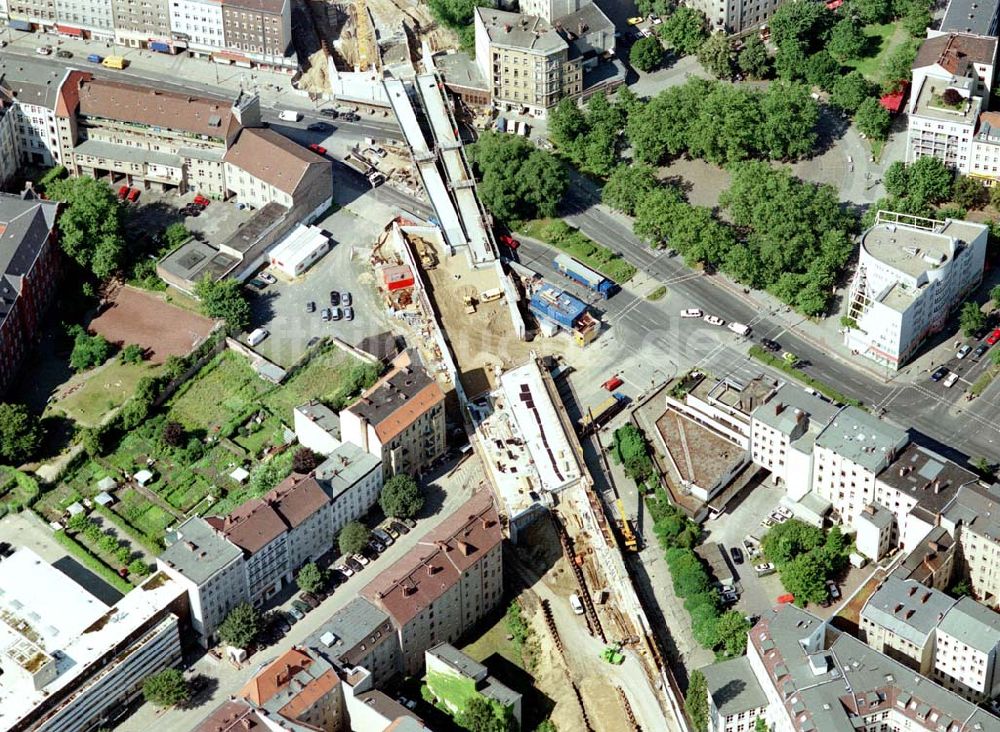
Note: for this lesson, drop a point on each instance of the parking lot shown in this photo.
(281, 308)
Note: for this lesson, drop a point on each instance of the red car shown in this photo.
(786, 598)
(133, 195)
(122, 192)
(201, 200)
(318, 149)
(613, 383)
(993, 337)
(509, 241)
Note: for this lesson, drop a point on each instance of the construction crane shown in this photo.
(628, 537)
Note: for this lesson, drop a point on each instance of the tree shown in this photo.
(567, 123)
(401, 497)
(166, 689)
(753, 59)
(929, 180)
(870, 11)
(898, 63)
(20, 434)
(310, 577)
(90, 225)
(969, 193)
(175, 235)
(873, 119)
(850, 90)
(732, 630)
(173, 433)
(696, 701)
(684, 30)
(138, 567)
(518, 182)
(646, 54)
(132, 353)
(627, 185)
(786, 541)
(805, 577)
(806, 24)
(480, 714)
(971, 319)
(822, 70)
(305, 460)
(546, 725)
(760, 725)
(790, 119)
(457, 15)
(995, 294)
(224, 299)
(353, 537)
(790, 61)
(846, 41)
(916, 20)
(717, 56)
(241, 626)
(88, 350)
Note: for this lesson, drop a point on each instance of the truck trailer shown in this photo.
(602, 413)
(584, 275)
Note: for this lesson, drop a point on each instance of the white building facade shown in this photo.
(197, 24)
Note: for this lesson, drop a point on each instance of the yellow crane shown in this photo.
(631, 544)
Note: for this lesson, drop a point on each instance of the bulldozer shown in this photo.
(613, 654)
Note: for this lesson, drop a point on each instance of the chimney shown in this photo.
(432, 569)
(925, 598)
(899, 606)
(191, 546)
(937, 487)
(409, 590)
(913, 591)
(506, 28)
(934, 546)
(909, 613)
(465, 548)
(778, 408)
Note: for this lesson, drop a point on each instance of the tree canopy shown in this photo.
(696, 700)
(480, 714)
(850, 91)
(806, 557)
(718, 56)
(627, 185)
(753, 59)
(646, 54)
(684, 30)
(873, 119)
(591, 136)
(20, 434)
(241, 626)
(353, 537)
(166, 689)
(224, 299)
(88, 350)
(846, 40)
(923, 183)
(518, 181)
(971, 319)
(804, 24)
(310, 577)
(401, 497)
(783, 542)
(90, 225)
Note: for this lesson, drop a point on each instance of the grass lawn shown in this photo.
(226, 387)
(494, 640)
(332, 377)
(884, 38)
(100, 391)
(579, 246)
(140, 513)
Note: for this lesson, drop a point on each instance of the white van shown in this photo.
(288, 115)
(574, 602)
(739, 328)
(257, 336)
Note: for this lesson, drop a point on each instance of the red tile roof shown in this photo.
(297, 498)
(398, 399)
(956, 51)
(438, 560)
(273, 158)
(232, 716)
(276, 676)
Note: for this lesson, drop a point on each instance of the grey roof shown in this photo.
(926, 476)
(795, 400)
(977, 507)
(458, 661)
(460, 69)
(520, 32)
(877, 515)
(124, 153)
(733, 686)
(973, 624)
(971, 16)
(907, 609)
(25, 225)
(499, 692)
(194, 259)
(29, 81)
(861, 438)
(197, 551)
(344, 468)
(322, 416)
(350, 627)
(927, 557)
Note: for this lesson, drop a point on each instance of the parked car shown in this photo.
(376, 545)
(784, 511)
(330, 113)
(335, 313)
(382, 536)
(380, 152)
(318, 149)
(348, 314)
(268, 278)
(320, 127)
(950, 381)
(201, 200)
(993, 337)
(772, 346)
(325, 314)
(729, 597)
(691, 313)
(350, 116)
(43, 50)
(714, 320)
(61, 53)
(613, 383)
(361, 559)
(310, 307)
(939, 374)
(309, 599)
(786, 599)
(334, 297)
(345, 569)
(509, 241)
(764, 569)
(391, 531)
(401, 528)
(346, 299)
(133, 195)
(980, 350)
(312, 341)
(122, 192)
(296, 613)
(963, 351)
(736, 554)
(302, 606)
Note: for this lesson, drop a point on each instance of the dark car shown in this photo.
(320, 127)
(309, 599)
(5, 549)
(334, 298)
(351, 116)
(939, 374)
(736, 554)
(336, 577)
(331, 113)
(376, 545)
(980, 350)
(63, 54)
(310, 307)
(401, 528)
(312, 342)
(303, 607)
(354, 564)
(770, 345)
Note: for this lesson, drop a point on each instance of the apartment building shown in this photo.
(210, 569)
(299, 688)
(29, 265)
(735, 699)
(265, 167)
(967, 660)
(911, 274)
(874, 529)
(31, 90)
(900, 620)
(853, 449)
(932, 562)
(32, 14)
(71, 662)
(973, 520)
(360, 636)
(352, 478)
(736, 16)
(140, 22)
(317, 427)
(969, 16)
(986, 149)
(197, 25)
(958, 65)
(10, 149)
(816, 678)
(450, 580)
(260, 29)
(448, 669)
(783, 433)
(86, 19)
(400, 419)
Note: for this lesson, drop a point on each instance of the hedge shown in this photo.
(80, 552)
(150, 542)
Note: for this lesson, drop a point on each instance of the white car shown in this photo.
(784, 511)
(268, 278)
(777, 517)
(963, 351)
(713, 320)
(344, 570)
(361, 559)
(43, 51)
(691, 313)
(950, 381)
(764, 569)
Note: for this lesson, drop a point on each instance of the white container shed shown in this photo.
(300, 250)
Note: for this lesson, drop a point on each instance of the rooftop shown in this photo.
(30, 81)
(926, 477)
(436, 563)
(928, 101)
(973, 624)
(233, 715)
(346, 637)
(907, 609)
(292, 684)
(273, 158)
(344, 468)
(25, 225)
(863, 439)
(520, 32)
(956, 52)
(927, 557)
(458, 661)
(977, 507)
(398, 399)
(322, 416)
(914, 249)
(971, 16)
(877, 515)
(782, 411)
(460, 69)
(733, 687)
(194, 259)
(197, 551)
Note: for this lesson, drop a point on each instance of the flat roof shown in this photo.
(298, 245)
(459, 661)
(44, 612)
(927, 104)
(197, 551)
(30, 81)
(194, 259)
(733, 687)
(460, 69)
(913, 250)
(124, 153)
(863, 439)
(781, 411)
(971, 16)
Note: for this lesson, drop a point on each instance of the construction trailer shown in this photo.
(584, 275)
(595, 418)
(556, 309)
